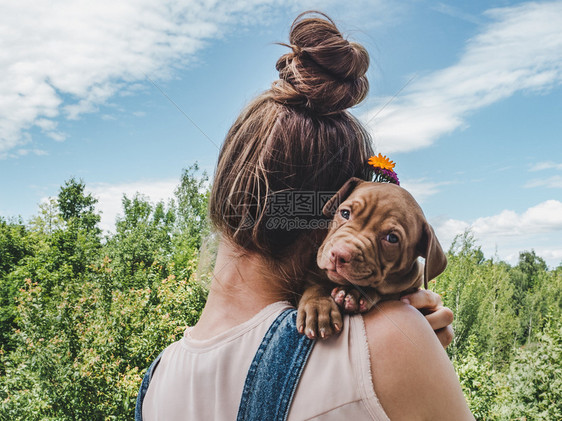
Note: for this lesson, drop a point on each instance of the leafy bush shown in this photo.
(88, 317)
(83, 358)
(478, 381)
(532, 387)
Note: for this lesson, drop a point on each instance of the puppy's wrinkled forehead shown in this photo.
(384, 200)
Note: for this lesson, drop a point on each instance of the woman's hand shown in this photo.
(439, 317)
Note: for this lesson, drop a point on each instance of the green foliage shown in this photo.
(15, 246)
(143, 239)
(461, 288)
(83, 359)
(507, 333)
(532, 387)
(478, 381)
(87, 317)
(81, 317)
(77, 207)
(192, 223)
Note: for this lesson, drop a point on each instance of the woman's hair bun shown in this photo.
(324, 72)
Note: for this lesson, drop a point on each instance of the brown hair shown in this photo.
(295, 137)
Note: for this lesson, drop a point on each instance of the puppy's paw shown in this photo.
(319, 318)
(350, 301)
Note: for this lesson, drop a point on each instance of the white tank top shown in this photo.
(202, 380)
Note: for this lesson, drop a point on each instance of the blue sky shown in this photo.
(465, 97)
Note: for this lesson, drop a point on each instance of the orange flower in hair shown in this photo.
(382, 162)
(384, 169)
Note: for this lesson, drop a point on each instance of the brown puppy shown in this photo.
(371, 253)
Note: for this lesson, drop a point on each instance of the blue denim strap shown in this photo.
(144, 387)
(275, 371)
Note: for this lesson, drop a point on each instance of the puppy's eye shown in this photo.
(391, 238)
(345, 213)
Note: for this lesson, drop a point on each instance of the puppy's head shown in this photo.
(378, 232)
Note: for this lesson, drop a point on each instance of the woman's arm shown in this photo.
(412, 375)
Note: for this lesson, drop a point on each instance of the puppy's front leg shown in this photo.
(318, 315)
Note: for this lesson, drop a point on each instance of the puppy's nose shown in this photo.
(340, 255)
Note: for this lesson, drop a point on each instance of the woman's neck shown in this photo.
(240, 288)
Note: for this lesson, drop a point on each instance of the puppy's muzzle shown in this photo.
(341, 255)
(345, 262)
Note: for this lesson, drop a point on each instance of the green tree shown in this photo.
(67, 238)
(91, 316)
(76, 206)
(532, 387)
(15, 245)
(142, 245)
(478, 381)
(538, 291)
(531, 266)
(192, 226)
(50, 375)
(461, 289)
(496, 326)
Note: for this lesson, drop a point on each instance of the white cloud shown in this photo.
(421, 189)
(456, 12)
(544, 217)
(24, 152)
(554, 182)
(110, 196)
(550, 255)
(521, 49)
(508, 232)
(548, 165)
(63, 58)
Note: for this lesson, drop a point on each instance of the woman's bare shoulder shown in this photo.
(412, 375)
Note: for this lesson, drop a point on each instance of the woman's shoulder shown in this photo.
(396, 321)
(400, 340)
(411, 372)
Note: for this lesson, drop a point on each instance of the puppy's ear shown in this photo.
(343, 193)
(430, 249)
